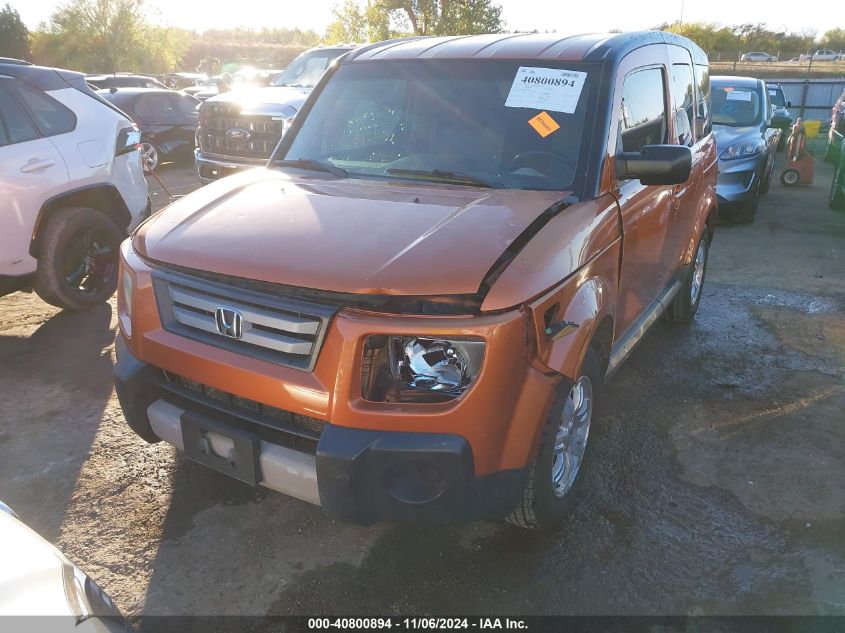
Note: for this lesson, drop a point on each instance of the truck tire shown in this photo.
(685, 304)
(553, 479)
(77, 260)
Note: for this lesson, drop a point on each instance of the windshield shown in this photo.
(481, 123)
(776, 97)
(738, 106)
(305, 71)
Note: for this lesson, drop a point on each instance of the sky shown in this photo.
(564, 16)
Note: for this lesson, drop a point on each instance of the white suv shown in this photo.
(71, 186)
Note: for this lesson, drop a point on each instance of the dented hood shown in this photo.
(345, 235)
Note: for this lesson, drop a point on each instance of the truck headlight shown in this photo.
(419, 369)
(742, 150)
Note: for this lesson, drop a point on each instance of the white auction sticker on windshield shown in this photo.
(739, 95)
(546, 89)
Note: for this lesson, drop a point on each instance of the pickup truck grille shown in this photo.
(268, 327)
(260, 133)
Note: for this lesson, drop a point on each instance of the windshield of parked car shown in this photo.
(776, 97)
(736, 106)
(305, 71)
(508, 124)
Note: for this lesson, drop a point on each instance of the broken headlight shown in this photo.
(419, 369)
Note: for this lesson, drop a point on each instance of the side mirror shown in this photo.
(656, 165)
(788, 104)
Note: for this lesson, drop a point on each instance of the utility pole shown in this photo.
(681, 21)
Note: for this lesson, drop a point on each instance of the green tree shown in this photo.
(450, 17)
(108, 36)
(14, 36)
(833, 39)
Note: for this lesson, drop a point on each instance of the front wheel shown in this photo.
(553, 479)
(685, 304)
(77, 260)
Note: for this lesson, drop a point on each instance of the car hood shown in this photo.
(272, 100)
(727, 135)
(32, 573)
(345, 235)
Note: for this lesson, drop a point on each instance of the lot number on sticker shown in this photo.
(739, 95)
(546, 89)
(543, 124)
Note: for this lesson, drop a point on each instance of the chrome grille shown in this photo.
(280, 330)
(264, 134)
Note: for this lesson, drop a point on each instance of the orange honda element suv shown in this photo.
(408, 314)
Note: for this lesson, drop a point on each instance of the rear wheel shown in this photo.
(553, 480)
(685, 304)
(77, 261)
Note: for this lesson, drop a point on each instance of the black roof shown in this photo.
(118, 95)
(40, 76)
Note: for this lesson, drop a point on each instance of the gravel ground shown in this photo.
(716, 483)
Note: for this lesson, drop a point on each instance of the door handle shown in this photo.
(36, 165)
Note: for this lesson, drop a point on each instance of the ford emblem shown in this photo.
(237, 134)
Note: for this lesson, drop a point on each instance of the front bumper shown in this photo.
(355, 475)
(211, 167)
(738, 179)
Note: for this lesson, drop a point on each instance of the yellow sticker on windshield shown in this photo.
(543, 124)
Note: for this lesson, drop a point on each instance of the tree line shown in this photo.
(116, 35)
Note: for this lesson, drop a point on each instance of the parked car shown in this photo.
(183, 81)
(780, 112)
(836, 130)
(747, 139)
(236, 133)
(71, 184)
(826, 56)
(207, 88)
(36, 579)
(167, 120)
(408, 314)
(758, 57)
(103, 82)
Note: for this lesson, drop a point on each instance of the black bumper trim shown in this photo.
(370, 476)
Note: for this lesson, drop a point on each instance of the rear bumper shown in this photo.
(359, 476)
(210, 167)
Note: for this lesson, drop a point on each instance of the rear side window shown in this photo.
(51, 116)
(683, 104)
(703, 108)
(15, 127)
(642, 119)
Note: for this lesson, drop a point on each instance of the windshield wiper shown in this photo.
(313, 165)
(446, 176)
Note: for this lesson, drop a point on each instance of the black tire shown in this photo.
(78, 257)
(790, 177)
(747, 211)
(684, 305)
(540, 508)
(836, 199)
(766, 181)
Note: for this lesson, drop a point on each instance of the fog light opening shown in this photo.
(415, 482)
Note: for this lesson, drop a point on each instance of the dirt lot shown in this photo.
(717, 482)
